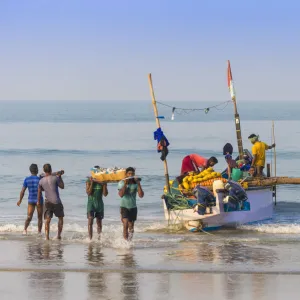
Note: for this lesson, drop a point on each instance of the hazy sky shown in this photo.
(104, 49)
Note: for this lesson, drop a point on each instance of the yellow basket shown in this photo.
(111, 177)
(120, 175)
(117, 176)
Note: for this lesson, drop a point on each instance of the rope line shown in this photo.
(189, 110)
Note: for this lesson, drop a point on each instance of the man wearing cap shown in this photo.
(259, 154)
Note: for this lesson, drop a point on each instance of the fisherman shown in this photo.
(259, 154)
(128, 189)
(32, 183)
(50, 185)
(194, 162)
(95, 206)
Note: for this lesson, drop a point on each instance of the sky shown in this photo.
(104, 50)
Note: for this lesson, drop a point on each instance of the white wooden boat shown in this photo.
(261, 208)
(260, 193)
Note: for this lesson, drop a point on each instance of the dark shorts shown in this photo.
(35, 203)
(95, 214)
(56, 209)
(129, 213)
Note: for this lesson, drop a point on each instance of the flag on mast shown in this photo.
(230, 82)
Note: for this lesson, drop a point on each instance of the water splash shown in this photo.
(273, 228)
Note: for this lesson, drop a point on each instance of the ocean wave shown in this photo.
(41, 151)
(111, 237)
(273, 228)
(75, 227)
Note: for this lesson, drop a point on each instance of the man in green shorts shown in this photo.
(95, 205)
(128, 189)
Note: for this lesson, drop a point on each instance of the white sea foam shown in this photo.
(111, 236)
(274, 228)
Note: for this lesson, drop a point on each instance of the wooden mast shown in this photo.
(236, 114)
(158, 126)
(273, 141)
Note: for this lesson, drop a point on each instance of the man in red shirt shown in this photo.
(194, 162)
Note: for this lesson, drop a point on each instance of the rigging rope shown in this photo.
(180, 110)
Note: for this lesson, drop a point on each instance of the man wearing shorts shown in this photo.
(32, 183)
(95, 206)
(128, 189)
(50, 185)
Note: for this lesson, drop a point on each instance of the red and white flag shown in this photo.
(230, 82)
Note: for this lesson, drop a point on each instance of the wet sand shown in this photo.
(160, 285)
(197, 267)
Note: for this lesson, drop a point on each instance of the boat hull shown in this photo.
(261, 208)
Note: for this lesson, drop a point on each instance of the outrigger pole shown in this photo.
(158, 126)
(273, 141)
(236, 114)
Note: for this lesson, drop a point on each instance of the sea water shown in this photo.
(244, 263)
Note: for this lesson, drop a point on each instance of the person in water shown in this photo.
(259, 154)
(50, 184)
(95, 206)
(32, 183)
(194, 162)
(128, 190)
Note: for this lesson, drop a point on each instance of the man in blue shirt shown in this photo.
(32, 183)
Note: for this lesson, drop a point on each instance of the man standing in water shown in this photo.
(128, 189)
(32, 183)
(50, 185)
(95, 205)
(259, 154)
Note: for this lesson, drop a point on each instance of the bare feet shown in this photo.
(25, 232)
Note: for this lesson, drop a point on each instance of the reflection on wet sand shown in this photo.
(180, 286)
(225, 253)
(129, 281)
(96, 280)
(48, 285)
(44, 252)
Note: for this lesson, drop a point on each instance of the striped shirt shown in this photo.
(32, 183)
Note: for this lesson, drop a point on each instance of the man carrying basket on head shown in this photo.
(95, 206)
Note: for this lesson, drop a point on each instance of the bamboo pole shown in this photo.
(274, 152)
(274, 181)
(236, 114)
(158, 126)
(273, 138)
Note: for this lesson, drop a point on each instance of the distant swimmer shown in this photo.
(128, 190)
(32, 184)
(50, 184)
(95, 206)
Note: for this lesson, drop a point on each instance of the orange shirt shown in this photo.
(198, 160)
